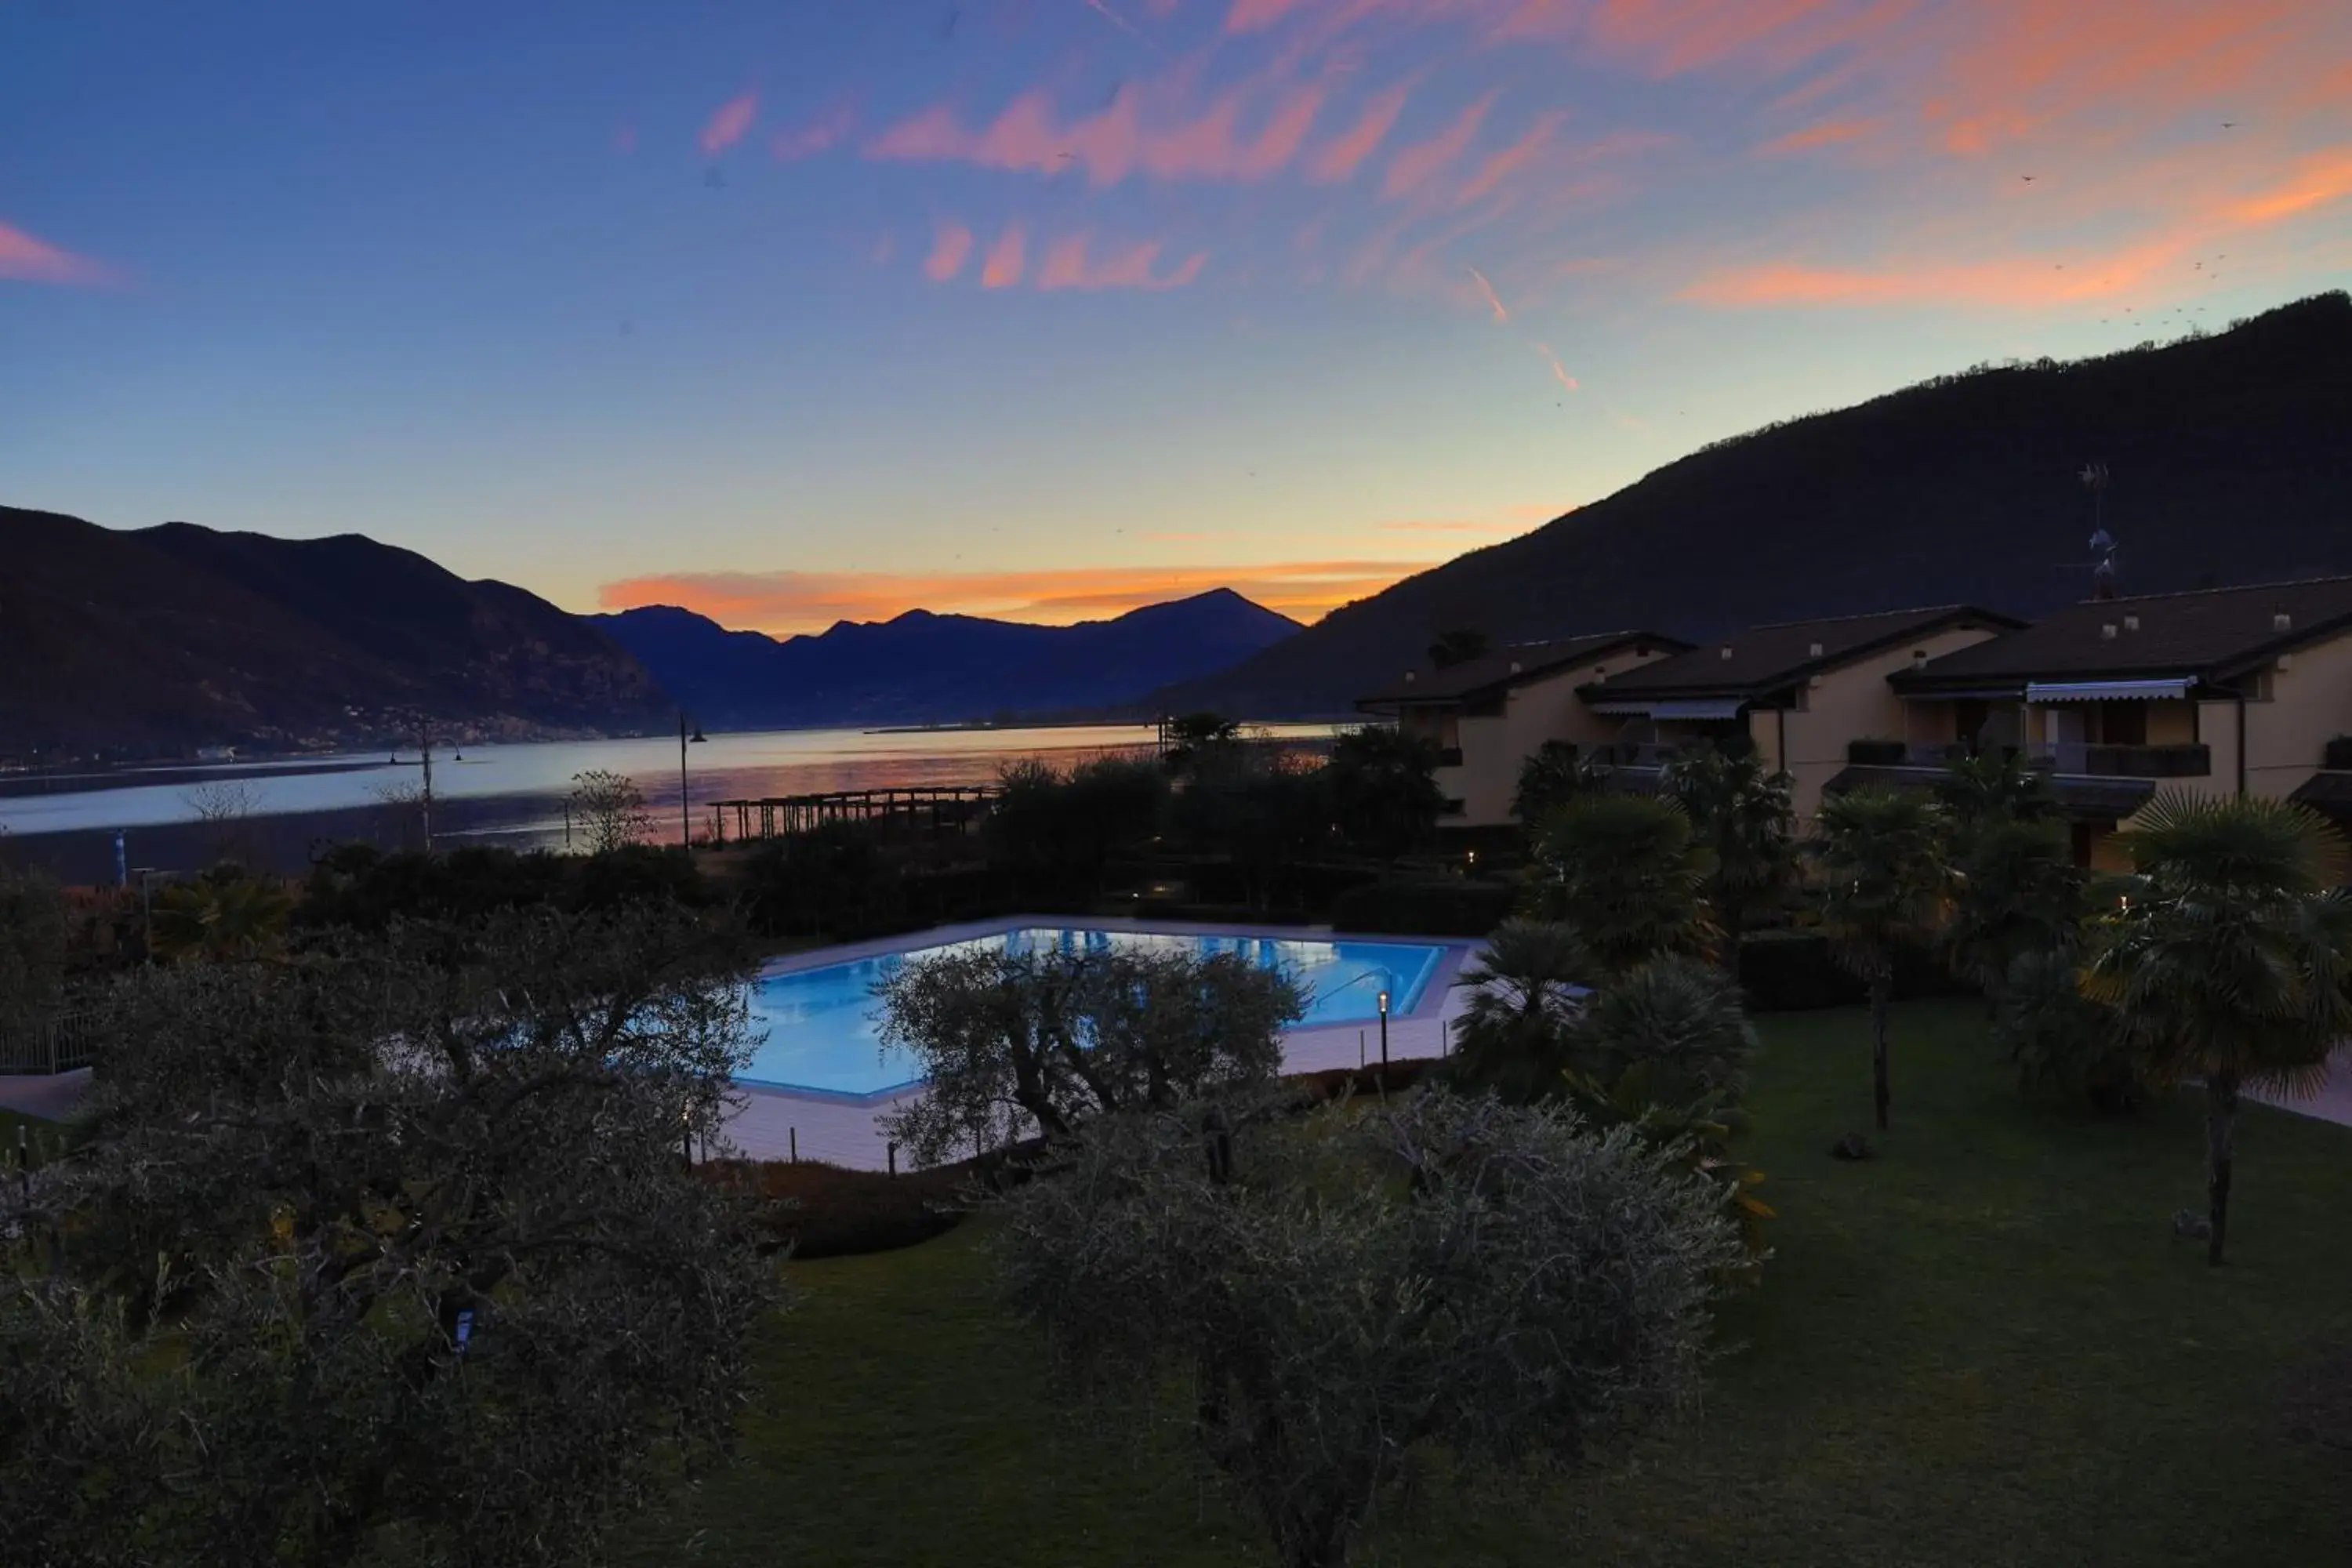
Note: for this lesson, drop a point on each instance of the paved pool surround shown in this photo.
(770, 1123)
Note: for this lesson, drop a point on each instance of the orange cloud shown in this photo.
(2324, 178)
(1067, 266)
(949, 252)
(1502, 165)
(1827, 134)
(1006, 259)
(2014, 281)
(1414, 166)
(727, 126)
(781, 602)
(24, 259)
(1492, 298)
(1344, 153)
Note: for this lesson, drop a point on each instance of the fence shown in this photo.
(53, 1046)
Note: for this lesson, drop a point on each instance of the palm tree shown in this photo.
(1622, 870)
(1743, 816)
(1885, 883)
(1681, 1021)
(2232, 959)
(1550, 776)
(1994, 786)
(2015, 890)
(1526, 990)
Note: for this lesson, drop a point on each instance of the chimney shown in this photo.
(1812, 650)
(1408, 677)
(2107, 631)
(1726, 650)
(2281, 622)
(1918, 658)
(1517, 667)
(2131, 622)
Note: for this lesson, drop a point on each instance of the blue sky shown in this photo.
(1050, 307)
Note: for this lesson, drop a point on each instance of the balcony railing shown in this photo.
(2110, 762)
(1449, 756)
(1628, 753)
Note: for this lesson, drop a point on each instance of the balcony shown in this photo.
(2104, 761)
(1629, 754)
(1449, 756)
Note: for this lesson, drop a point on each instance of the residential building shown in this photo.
(1799, 691)
(2220, 691)
(1487, 715)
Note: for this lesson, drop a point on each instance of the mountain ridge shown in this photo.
(2232, 461)
(925, 667)
(156, 640)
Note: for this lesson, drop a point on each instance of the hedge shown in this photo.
(1453, 907)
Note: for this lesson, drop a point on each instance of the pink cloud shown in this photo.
(1493, 299)
(1413, 166)
(1502, 165)
(25, 259)
(727, 125)
(949, 252)
(1068, 265)
(1829, 133)
(827, 130)
(1006, 259)
(1558, 372)
(1344, 153)
(624, 138)
(1117, 141)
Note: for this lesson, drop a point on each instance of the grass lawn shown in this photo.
(1982, 1348)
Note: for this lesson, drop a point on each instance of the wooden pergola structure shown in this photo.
(929, 811)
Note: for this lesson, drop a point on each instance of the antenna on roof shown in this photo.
(2102, 544)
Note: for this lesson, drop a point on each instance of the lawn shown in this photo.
(1984, 1347)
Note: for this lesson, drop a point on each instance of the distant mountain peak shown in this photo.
(922, 667)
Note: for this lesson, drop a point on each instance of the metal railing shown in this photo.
(1449, 756)
(2094, 759)
(52, 1045)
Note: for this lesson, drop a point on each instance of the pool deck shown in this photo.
(773, 1123)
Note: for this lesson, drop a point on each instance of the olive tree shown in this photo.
(610, 810)
(1345, 1294)
(1013, 1041)
(32, 948)
(385, 1253)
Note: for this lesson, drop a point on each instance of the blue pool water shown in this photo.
(822, 1023)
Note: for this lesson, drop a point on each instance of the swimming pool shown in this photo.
(822, 1023)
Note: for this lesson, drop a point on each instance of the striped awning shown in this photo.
(2107, 690)
(1707, 707)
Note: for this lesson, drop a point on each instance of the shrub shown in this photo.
(828, 1211)
(1793, 971)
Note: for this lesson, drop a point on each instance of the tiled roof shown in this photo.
(1516, 664)
(1766, 658)
(2211, 634)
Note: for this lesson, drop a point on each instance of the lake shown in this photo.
(511, 795)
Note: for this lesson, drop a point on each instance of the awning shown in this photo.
(1708, 708)
(2107, 690)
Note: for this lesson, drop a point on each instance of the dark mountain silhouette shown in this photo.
(922, 668)
(159, 639)
(2230, 458)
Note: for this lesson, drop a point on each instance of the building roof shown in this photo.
(2209, 634)
(2099, 800)
(2327, 791)
(1511, 666)
(1764, 659)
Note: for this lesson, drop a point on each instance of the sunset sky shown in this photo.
(814, 309)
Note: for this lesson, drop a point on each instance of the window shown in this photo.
(2123, 724)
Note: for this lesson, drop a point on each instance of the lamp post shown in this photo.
(685, 811)
(1384, 1037)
